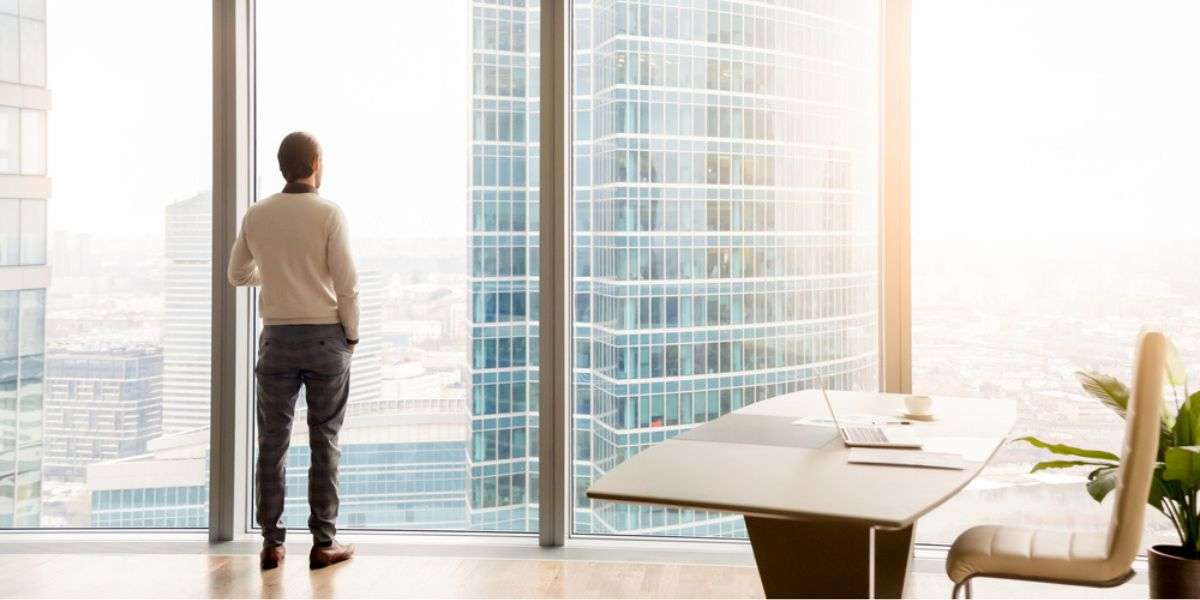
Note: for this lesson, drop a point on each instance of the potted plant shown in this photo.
(1174, 570)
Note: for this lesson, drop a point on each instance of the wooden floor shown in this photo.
(238, 576)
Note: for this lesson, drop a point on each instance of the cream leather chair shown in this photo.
(1087, 559)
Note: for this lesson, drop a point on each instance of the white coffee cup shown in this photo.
(918, 405)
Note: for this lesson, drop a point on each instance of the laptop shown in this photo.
(871, 436)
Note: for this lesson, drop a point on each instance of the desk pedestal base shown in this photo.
(818, 559)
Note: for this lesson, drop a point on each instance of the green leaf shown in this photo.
(1106, 389)
(1158, 489)
(1066, 464)
(1193, 404)
(1101, 482)
(1068, 450)
(1113, 394)
(1176, 374)
(1183, 465)
(1187, 423)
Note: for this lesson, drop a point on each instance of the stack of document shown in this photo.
(906, 458)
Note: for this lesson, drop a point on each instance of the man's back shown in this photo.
(294, 245)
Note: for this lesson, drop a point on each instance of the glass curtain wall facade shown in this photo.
(502, 457)
(725, 192)
(726, 239)
(24, 274)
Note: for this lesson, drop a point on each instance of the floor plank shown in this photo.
(238, 576)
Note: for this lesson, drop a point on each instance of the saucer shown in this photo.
(917, 417)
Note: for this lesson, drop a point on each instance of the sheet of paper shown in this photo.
(973, 449)
(906, 458)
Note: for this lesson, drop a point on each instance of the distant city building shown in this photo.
(411, 387)
(724, 250)
(366, 366)
(24, 273)
(413, 331)
(398, 471)
(187, 325)
(166, 487)
(100, 405)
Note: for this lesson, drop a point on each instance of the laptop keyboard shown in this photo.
(865, 435)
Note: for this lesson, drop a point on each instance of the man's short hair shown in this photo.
(297, 152)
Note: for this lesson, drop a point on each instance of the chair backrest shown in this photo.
(1140, 449)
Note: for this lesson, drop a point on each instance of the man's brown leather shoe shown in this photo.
(323, 556)
(270, 556)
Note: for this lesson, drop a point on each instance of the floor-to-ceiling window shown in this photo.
(428, 117)
(1054, 215)
(725, 195)
(104, 278)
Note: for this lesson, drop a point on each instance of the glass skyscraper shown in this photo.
(725, 201)
(24, 274)
(187, 328)
(502, 450)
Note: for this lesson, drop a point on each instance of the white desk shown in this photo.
(812, 518)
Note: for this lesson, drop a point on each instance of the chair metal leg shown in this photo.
(965, 586)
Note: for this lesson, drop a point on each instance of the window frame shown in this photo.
(234, 143)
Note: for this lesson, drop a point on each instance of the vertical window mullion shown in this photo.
(895, 306)
(232, 156)
(555, 273)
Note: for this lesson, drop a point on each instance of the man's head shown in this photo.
(300, 158)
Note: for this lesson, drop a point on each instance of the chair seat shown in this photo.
(1015, 552)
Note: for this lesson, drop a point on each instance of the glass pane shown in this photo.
(33, 52)
(10, 47)
(430, 150)
(10, 311)
(84, 392)
(10, 231)
(33, 232)
(1048, 231)
(27, 417)
(33, 142)
(10, 139)
(33, 9)
(725, 226)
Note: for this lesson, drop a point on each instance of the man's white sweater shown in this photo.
(295, 247)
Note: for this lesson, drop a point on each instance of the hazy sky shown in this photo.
(1031, 119)
(1034, 119)
(384, 85)
(386, 88)
(131, 117)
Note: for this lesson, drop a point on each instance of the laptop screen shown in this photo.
(829, 405)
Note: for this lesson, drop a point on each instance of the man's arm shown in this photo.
(345, 276)
(242, 268)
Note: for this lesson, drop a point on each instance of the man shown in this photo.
(294, 246)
